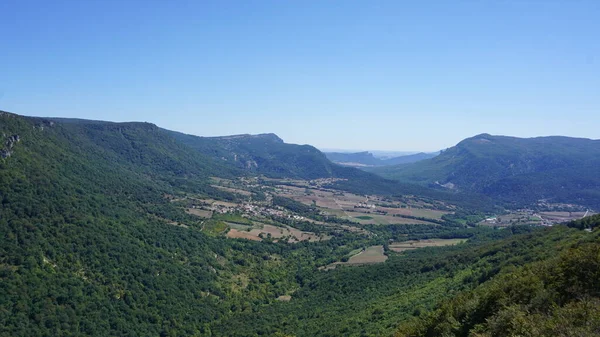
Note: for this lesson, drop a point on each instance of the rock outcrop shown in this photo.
(10, 142)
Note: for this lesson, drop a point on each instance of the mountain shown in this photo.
(263, 154)
(183, 159)
(137, 146)
(269, 155)
(357, 159)
(83, 218)
(518, 170)
(367, 159)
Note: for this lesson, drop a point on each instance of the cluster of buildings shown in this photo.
(248, 210)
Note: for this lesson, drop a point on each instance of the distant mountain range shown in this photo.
(523, 170)
(368, 159)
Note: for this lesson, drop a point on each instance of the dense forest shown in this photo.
(375, 300)
(557, 296)
(91, 246)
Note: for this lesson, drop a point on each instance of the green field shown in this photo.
(416, 244)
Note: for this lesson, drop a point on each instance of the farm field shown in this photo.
(199, 212)
(416, 244)
(373, 254)
(358, 207)
(239, 227)
(530, 217)
(378, 219)
(263, 219)
(370, 255)
(562, 216)
(236, 234)
(232, 190)
(427, 213)
(261, 231)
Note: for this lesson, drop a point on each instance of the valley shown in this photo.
(300, 169)
(130, 229)
(513, 171)
(275, 209)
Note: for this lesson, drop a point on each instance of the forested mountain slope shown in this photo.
(558, 169)
(396, 297)
(88, 242)
(558, 296)
(139, 147)
(264, 154)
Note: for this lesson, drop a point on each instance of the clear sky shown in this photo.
(387, 75)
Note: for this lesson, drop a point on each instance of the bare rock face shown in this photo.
(250, 164)
(10, 142)
(43, 124)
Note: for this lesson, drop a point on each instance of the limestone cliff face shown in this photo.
(9, 143)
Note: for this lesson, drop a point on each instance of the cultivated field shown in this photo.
(530, 217)
(557, 217)
(378, 219)
(373, 254)
(261, 231)
(362, 209)
(232, 190)
(199, 212)
(258, 219)
(416, 244)
(370, 255)
(236, 234)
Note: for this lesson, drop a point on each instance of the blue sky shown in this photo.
(387, 75)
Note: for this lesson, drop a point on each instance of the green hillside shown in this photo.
(558, 296)
(95, 243)
(263, 154)
(398, 297)
(557, 169)
(88, 243)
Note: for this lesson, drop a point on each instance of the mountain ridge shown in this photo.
(263, 153)
(511, 168)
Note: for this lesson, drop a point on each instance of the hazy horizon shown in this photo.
(382, 75)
